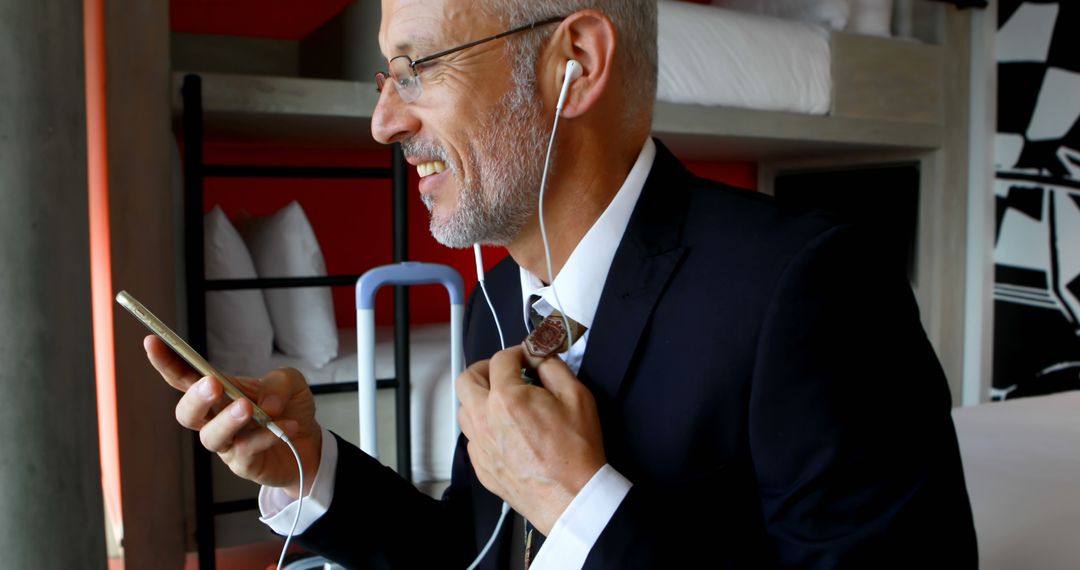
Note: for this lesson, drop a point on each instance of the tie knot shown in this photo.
(550, 334)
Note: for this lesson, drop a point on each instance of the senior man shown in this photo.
(732, 401)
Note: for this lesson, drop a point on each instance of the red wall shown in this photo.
(280, 19)
(352, 220)
(740, 174)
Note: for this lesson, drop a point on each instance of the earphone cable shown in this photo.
(502, 343)
(494, 315)
(299, 503)
(543, 232)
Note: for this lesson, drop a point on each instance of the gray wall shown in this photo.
(50, 485)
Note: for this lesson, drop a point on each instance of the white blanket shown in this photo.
(713, 56)
(1022, 465)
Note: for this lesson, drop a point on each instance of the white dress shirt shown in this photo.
(578, 287)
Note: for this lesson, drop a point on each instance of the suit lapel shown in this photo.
(644, 262)
(506, 296)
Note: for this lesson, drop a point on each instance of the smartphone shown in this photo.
(185, 351)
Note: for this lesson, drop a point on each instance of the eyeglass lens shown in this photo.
(406, 81)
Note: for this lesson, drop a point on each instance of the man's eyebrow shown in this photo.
(414, 46)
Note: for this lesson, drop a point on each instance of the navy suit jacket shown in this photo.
(762, 379)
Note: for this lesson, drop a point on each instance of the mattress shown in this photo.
(713, 56)
(1022, 467)
(430, 395)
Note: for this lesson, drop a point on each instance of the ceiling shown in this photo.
(279, 19)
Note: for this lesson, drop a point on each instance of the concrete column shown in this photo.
(50, 485)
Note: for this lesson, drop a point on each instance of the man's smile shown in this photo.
(428, 168)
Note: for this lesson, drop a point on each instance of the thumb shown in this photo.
(277, 389)
(558, 379)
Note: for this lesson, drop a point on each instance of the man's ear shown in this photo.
(589, 38)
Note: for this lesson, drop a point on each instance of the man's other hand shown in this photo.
(533, 447)
(225, 427)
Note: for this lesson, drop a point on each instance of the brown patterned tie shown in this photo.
(549, 335)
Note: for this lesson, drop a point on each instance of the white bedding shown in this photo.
(430, 383)
(713, 56)
(429, 356)
(1022, 466)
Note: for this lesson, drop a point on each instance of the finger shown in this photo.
(290, 427)
(172, 368)
(480, 371)
(473, 385)
(249, 386)
(275, 391)
(247, 449)
(557, 377)
(217, 434)
(465, 422)
(506, 367)
(477, 456)
(198, 403)
(279, 388)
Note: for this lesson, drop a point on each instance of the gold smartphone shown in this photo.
(185, 351)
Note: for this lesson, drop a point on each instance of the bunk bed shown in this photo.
(193, 118)
(745, 86)
(871, 109)
(886, 101)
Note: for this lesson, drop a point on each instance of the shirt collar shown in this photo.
(582, 277)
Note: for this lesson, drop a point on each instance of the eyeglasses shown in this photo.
(406, 77)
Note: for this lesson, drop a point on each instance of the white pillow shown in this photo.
(284, 245)
(239, 335)
(831, 13)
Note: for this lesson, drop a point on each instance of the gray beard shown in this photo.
(507, 155)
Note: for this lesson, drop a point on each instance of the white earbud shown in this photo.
(573, 71)
(479, 262)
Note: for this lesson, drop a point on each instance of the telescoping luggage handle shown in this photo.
(407, 273)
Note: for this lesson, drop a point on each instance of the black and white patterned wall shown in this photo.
(1037, 188)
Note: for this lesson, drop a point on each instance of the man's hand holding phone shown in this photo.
(226, 428)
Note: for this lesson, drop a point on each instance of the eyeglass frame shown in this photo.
(381, 77)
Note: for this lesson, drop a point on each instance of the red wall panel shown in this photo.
(739, 174)
(280, 19)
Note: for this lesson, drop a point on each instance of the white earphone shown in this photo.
(573, 71)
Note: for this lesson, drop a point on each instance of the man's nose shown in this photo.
(393, 119)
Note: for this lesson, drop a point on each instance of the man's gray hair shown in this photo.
(635, 24)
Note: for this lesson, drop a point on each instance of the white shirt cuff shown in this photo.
(279, 510)
(580, 525)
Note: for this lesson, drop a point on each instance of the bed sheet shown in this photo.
(429, 346)
(714, 56)
(1022, 466)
